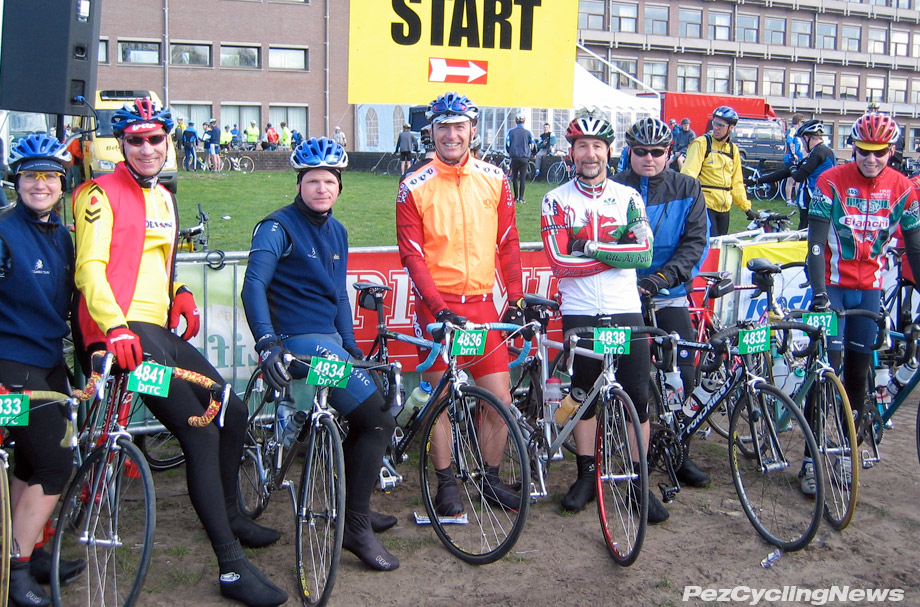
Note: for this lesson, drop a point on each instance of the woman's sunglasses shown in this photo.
(643, 152)
(138, 141)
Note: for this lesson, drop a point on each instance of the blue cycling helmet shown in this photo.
(142, 116)
(319, 153)
(39, 152)
(727, 114)
(452, 107)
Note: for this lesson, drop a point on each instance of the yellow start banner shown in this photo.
(500, 53)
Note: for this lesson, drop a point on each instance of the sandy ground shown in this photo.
(561, 559)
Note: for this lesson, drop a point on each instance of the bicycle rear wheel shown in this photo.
(768, 484)
(393, 167)
(161, 449)
(258, 447)
(108, 519)
(6, 533)
(320, 520)
(247, 165)
(766, 192)
(832, 422)
(556, 173)
(469, 426)
(622, 483)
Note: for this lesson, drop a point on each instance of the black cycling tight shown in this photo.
(519, 176)
(369, 430)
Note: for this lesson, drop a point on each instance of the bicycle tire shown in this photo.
(617, 494)
(112, 499)
(492, 530)
(832, 423)
(556, 174)
(6, 534)
(766, 192)
(768, 486)
(531, 171)
(393, 167)
(320, 519)
(161, 449)
(258, 444)
(246, 164)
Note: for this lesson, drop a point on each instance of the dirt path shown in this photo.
(561, 560)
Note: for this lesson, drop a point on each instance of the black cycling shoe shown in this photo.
(24, 590)
(242, 581)
(584, 489)
(447, 502)
(41, 567)
(382, 522)
(359, 539)
(691, 476)
(498, 493)
(657, 513)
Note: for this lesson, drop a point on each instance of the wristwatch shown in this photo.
(590, 248)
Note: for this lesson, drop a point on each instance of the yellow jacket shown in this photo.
(719, 173)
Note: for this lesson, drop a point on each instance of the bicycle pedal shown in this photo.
(668, 493)
(867, 460)
(388, 480)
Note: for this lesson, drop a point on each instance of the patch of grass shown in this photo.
(177, 551)
(663, 583)
(169, 579)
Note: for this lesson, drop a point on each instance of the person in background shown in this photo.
(236, 135)
(545, 147)
(213, 144)
(252, 134)
(189, 146)
(339, 137)
(793, 154)
(285, 136)
(36, 293)
(75, 171)
(406, 146)
(271, 137)
(685, 135)
(519, 144)
(296, 138)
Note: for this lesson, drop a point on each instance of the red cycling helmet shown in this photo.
(875, 132)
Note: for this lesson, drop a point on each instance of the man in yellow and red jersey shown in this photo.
(454, 222)
(127, 227)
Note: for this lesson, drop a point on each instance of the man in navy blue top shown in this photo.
(519, 144)
(296, 299)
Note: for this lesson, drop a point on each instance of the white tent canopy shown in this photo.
(378, 125)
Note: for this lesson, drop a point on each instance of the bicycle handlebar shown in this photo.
(469, 326)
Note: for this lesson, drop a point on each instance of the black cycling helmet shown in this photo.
(726, 113)
(649, 132)
(810, 127)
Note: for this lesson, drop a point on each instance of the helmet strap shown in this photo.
(143, 181)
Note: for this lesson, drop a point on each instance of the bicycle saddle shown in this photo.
(531, 299)
(759, 265)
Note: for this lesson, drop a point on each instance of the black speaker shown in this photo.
(49, 54)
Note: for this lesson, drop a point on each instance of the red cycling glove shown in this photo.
(126, 346)
(184, 305)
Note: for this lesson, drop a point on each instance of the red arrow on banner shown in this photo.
(465, 71)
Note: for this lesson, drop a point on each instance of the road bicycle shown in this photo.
(621, 471)
(232, 159)
(107, 515)
(319, 501)
(771, 221)
(471, 424)
(561, 172)
(762, 192)
(503, 161)
(203, 162)
(387, 164)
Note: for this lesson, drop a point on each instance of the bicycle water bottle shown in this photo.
(780, 373)
(284, 410)
(882, 379)
(902, 376)
(294, 424)
(675, 390)
(698, 398)
(417, 399)
(570, 405)
(552, 394)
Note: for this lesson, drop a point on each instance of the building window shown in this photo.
(849, 86)
(591, 15)
(774, 82)
(747, 28)
(824, 85)
(828, 133)
(288, 59)
(914, 142)
(199, 113)
(560, 123)
(826, 36)
(239, 56)
(623, 122)
(717, 79)
(656, 20)
(800, 33)
(629, 66)
(800, 84)
(594, 66)
(241, 116)
(102, 55)
(899, 43)
(294, 116)
(691, 23)
(915, 45)
(190, 54)
(371, 128)
(875, 88)
(623, 17)
(915, 91)
(897, 90)
(655, 74)
(878, 41)
(902, 3)
(843, 135)
(720, 26)
(139, 52)
(745, 80)
(880, 2)
(688, 78)
(774, 30)
(849, 37)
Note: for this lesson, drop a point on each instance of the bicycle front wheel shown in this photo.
(247, 165)
(832, 422)
(320, 520)
(471, 439)
(769, 484)
(258, 448)
(6, 534)
(107, 519)
(556, 174)
(622, 482)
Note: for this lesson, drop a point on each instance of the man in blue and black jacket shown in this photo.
(677, 215)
